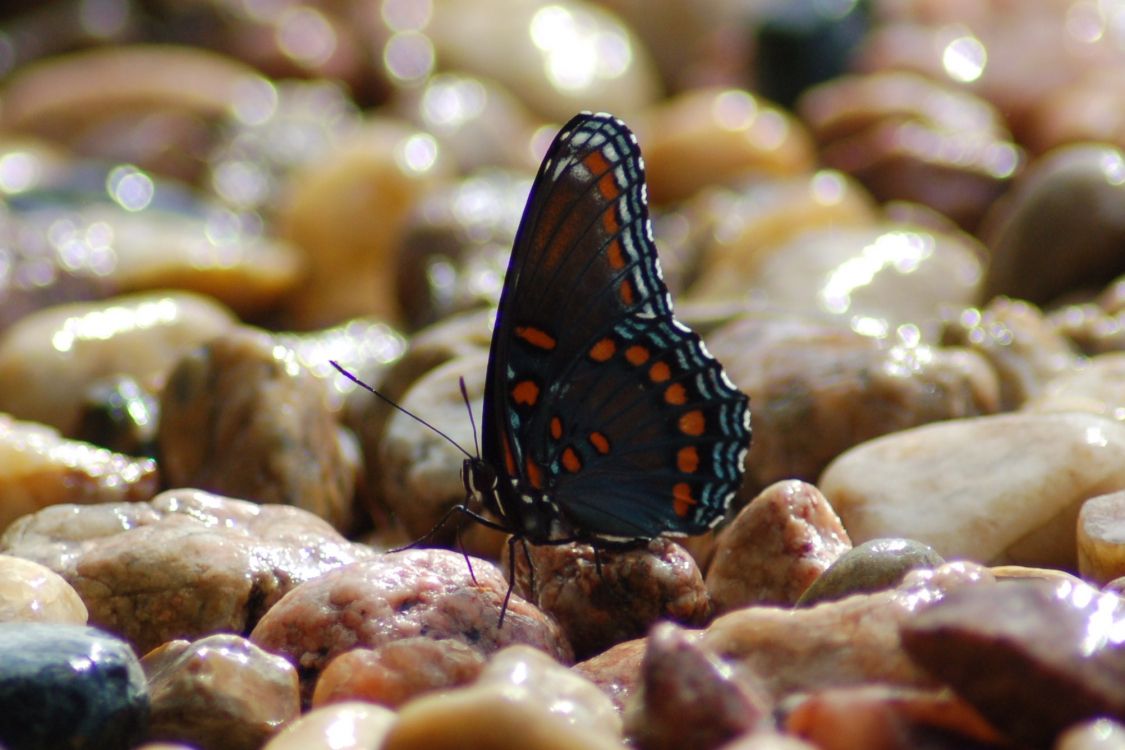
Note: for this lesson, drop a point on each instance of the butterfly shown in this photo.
(606, 420)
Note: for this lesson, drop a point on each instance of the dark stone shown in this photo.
(875, 565)
(69, 686)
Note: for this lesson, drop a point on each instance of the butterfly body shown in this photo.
(605, 419)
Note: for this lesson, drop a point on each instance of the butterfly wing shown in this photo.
(605, 418)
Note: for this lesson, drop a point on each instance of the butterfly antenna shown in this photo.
(340, 369)
(469, 408)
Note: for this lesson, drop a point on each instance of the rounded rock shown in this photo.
(30, 592)
(875, 565)
(363, 724)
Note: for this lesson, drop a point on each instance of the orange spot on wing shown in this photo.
(603, 350)
(659, 372)
(615, 255)
(600, 442)
(596, 162)
(537, 337)
(534, 474)
(637, 355)
(607, 186)
(692, 422)
(675, 394)
(610, 223)
(626, 292)
(525, 393)
(570, 460)
(687, 459)
(556, 428)
(682, 499)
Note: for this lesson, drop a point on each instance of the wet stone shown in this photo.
(1101, 538)
(397, 672)
(872, 566)
(339, 726)
(691, 698)
(30, 592)
(119, 415)
(185, 565)
(617, 670)
(1033, 657)
(401, 595)
(1096, 386)
(1096, 734)
(775, 548)
(604, 597)
(239, 417)
(69, 686)
(219, 691)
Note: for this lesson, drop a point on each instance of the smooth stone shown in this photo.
(49, 358)
(240, 418)
(491, 717)
(914, 138)
(1101, 538)
(347, 211)
(769, 741)
(398, 595)
(119, 415)
(1046, 238)
(1096, 734)
(817, 389)
(39, 468)
(875, 278)
(1096, 386)
(353, 725)
(69, 686)
(603, 597)
(419, 472)
(998, 489)
(527, 673)
(185, 565)
(397, 672)
(719, 136)
(1025, 349)
(532, 49)
(775, 548)
(30, 592)
(692, 698)
(1091, 328)
(847, 642)
(890, 718)
(617, 670)
(1033, 657)
(219, 691)
(875, 565)
(750, 221)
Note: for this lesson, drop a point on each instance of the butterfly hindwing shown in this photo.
(605, 418)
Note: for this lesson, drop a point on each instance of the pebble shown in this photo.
(750, 220)
(533, 52)
(1096, 734)
(219, 691)
(39, 468)
(875, 279)
(49, 358)
(997, 489)
(817, 389)
(185, 565)
(775, 548)
(400, 595)
(347, 212)
(717, 136)
(1033, 657)
(69, 686)
(1101, 538)
(1044, 239)
(354, 725)
(891, 718)
(119, 415)
(875, 565)
(239, 417)
(617, 670)
(913, 138)
(30, 592)
(1097, 386)
(847, 642)
(418, 471)
(600, 599)
(692, 698)
(769, 741)
(1025, 349)
(397, 672)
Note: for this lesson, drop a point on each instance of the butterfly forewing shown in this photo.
(605, 418)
